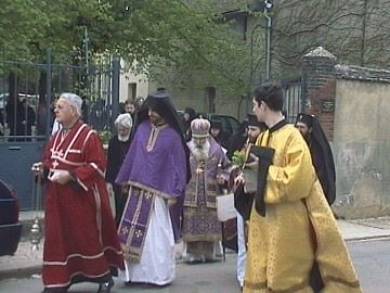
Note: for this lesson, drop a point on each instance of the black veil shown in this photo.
(321, 155)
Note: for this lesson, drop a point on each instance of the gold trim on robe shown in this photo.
(298, 228)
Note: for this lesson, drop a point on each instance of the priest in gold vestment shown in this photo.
(291, 227)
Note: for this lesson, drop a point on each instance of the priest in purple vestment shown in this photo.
(155, 171)
(210, 168)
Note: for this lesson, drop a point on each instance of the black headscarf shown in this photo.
(237, 141)
(322, 156)
(191, 112)
(252, 121)
(161, 104)
(222, 138)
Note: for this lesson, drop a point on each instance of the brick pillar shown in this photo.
(319, 87)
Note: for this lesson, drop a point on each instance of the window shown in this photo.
(210, 99)
(132, 91)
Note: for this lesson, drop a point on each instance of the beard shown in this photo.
(201, 152)
(252, 139)
(123, 138)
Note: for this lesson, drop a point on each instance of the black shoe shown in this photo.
(106, 287)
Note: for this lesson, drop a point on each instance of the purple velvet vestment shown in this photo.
(159, 170)
(200, 222)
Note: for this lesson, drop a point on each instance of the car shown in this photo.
(10, 227)
(230, 125)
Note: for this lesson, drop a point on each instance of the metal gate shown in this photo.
(27, 95)
(293, 101)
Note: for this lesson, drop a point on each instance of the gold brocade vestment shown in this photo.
(298, 227)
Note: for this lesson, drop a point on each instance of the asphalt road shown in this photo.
(371, 259)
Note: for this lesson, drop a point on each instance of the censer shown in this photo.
(36, 230)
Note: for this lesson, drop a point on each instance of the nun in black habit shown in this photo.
(321, 153)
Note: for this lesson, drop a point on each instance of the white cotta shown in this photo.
(158, 264)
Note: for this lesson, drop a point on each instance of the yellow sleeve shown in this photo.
(293, 181)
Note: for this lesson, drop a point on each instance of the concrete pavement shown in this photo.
(371, 259)
(26, 261)
(365, 229)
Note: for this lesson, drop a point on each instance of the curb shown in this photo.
(369, 238)
(20, 273)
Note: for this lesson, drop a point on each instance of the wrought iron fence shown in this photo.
(293, 103)
(27, 95)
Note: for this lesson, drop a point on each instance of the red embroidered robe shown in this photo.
(80, 236)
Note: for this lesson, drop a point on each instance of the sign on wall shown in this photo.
(327, 106)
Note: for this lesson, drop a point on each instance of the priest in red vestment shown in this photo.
(81, 243)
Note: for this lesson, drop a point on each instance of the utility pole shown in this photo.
(86, 46)
(86, 85)
(364, 26)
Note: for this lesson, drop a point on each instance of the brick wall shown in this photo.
(319, 87)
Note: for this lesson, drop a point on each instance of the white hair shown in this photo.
(74, 100)
(124, 120)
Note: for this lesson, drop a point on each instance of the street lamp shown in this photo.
(268, 5)
(265, 7)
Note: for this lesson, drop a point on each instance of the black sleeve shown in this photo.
(265, 156)
(110, 172)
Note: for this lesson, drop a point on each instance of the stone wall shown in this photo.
(353, 105)
(362, 142)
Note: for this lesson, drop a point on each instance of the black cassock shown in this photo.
(116, 154)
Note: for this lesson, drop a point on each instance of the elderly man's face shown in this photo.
(200, 141)
(65, 112)
(123, 131)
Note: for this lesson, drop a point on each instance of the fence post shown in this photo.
(115, 86)
(319, 87)
(48, 93)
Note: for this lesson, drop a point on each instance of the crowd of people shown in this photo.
(165, 174)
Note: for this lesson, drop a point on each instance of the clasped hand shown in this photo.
(239, 181)
(60, 176)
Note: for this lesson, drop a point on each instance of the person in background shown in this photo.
(189, 115)
(201, 228)
(139, 102)
(2, 128)
(216, 131)
(131, 108)
(85, 109)
(321, 153)
(243, 199)
(237, 141)
(14, 116)
(118, 147)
